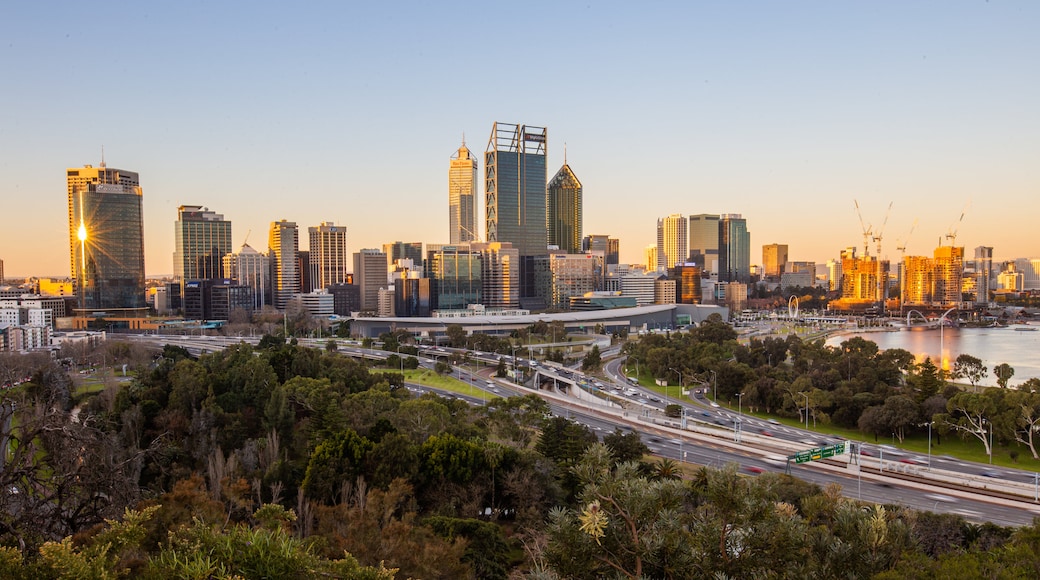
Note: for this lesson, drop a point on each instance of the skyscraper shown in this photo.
(734, 249)
(462, 196)
(456, 275)
(201, 240)
(602, 243)
(106, 238)
(983, 273)
(328, 254)
(251, 268)
(774, 258)
(515, 191)
(283, 246)
(403, 251)
(563, 210)
(671, 241)
(704, 240)
(370, 275)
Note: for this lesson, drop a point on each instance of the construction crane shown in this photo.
(866, 231)
(877, 238)
(951, 234)
(902, 249)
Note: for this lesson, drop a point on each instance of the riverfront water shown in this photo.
(993, 346)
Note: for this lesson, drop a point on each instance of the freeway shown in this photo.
(764, 446)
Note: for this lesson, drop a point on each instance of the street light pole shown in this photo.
(941, 350)
(929, 444)
(806, 395)
(715, 385)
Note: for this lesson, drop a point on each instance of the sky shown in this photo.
(788, 113)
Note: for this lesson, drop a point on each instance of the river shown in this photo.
(1020, 349)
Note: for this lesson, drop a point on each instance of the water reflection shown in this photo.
(1020, 349)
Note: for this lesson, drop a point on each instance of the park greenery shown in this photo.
(852, 386)
(280, 461)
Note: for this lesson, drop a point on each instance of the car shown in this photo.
(706, 414)
(990, 473)
(773, 422)
(908, 461)
(937, 497)
(865, 453)
(754, 469)
(766, 433)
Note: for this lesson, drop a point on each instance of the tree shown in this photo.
(456, 335)
(969, 367)
(972, 414)
(1025, 410)
(335, 460)
(592, 360)
(1003, 372)
(625, 446)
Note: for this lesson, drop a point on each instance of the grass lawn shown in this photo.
(431, 379)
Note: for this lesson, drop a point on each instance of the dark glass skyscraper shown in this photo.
(514, 181)
(734, 249)
(563, 210)
(106, 239)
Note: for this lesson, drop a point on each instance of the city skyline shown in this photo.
(785, 114)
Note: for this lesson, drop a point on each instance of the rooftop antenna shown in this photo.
(463, 138)
(102, 156)
(565, 153)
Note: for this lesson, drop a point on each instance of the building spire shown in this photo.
(565, 153)
(102, 156)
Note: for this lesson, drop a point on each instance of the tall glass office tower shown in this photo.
(514, 182)
(201, 240)
(563, 210)
(462, 196)
(734, 249)
(106, 239)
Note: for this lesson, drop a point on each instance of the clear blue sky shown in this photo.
(784, 112)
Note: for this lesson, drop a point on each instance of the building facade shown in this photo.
(403, 251)
(574, 275)
(106, 239)
(774, 258)
(329, 260)
(253, 269)
(370, 274)
(672, 239)
(611, 247)
(563, 210)
(463, 184)
(456, 278)
(514, 185)
(500, 275)
(283, 247)
(734, 249)
(704, 241)
(201, 240)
